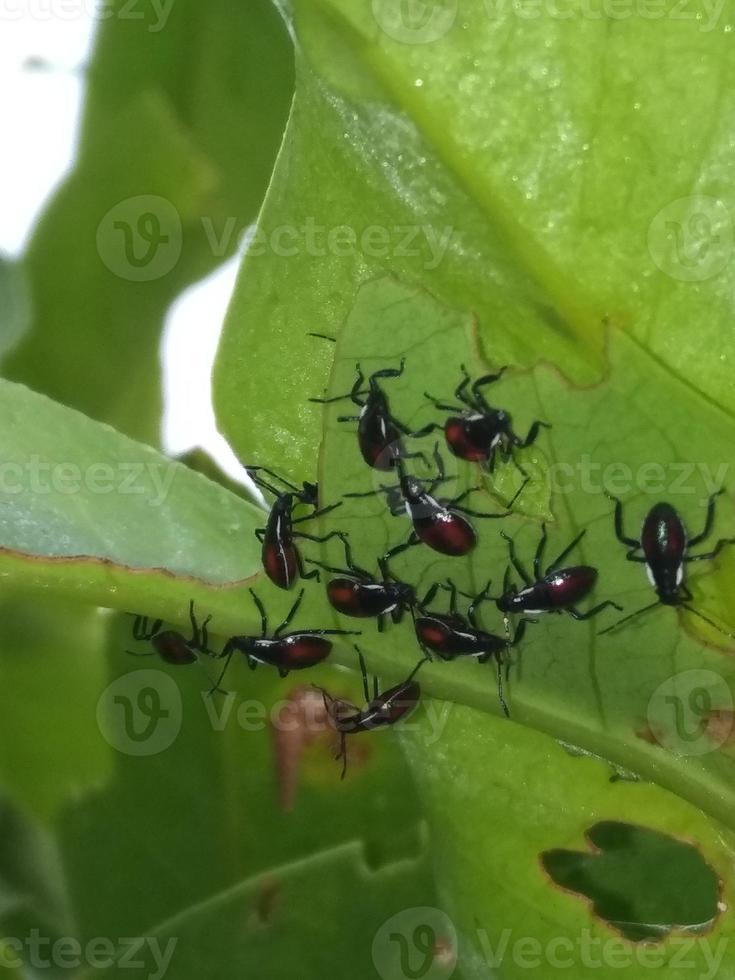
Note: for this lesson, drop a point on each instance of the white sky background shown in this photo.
(39, 116)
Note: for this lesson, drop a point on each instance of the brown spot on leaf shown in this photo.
(359, 753)
(720, 726)
(445, 954)
(266, 901)
(301, 721)
(646, 733)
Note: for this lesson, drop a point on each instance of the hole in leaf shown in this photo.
(643, 883)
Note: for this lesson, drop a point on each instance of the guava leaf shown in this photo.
(601, 693)
(92, 515)
(584, 251)
(49, 659)
(524, 796)
(544, 240)
(195, 797)
(549, 225)
(32, 885)
(652, 698)
(269, 919)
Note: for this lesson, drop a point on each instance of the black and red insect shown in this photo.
(380, 711)
(452, 635)
(170, 645)
(379, 432)
(553, 589)
(438, 522)
(285, 651)
(173, 647)
(665, 546)
(475, 430)
(281, 558)
(359, 593)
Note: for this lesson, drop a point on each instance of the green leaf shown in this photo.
(524, 796)
(397, 206)
(650, 698)
(194, 806)
(172, 167)
(559, 223)
(548, 266)
(597, 693)
(270, 919)
(92, 515)
(188, 819)
(590, 232)
(49, 660)
(14, 303)
(33, 896)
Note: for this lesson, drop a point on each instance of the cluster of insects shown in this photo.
(476, 432)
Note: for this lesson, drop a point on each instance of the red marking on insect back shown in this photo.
(431, 633)
(279, 562)
(447, 533)
(302, 650)
(567, 586)
(663, 534)
(399, 701)
(459, 442)
(343, 595)
(172, 648)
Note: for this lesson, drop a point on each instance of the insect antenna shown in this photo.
(625, 619)
(707, 620)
